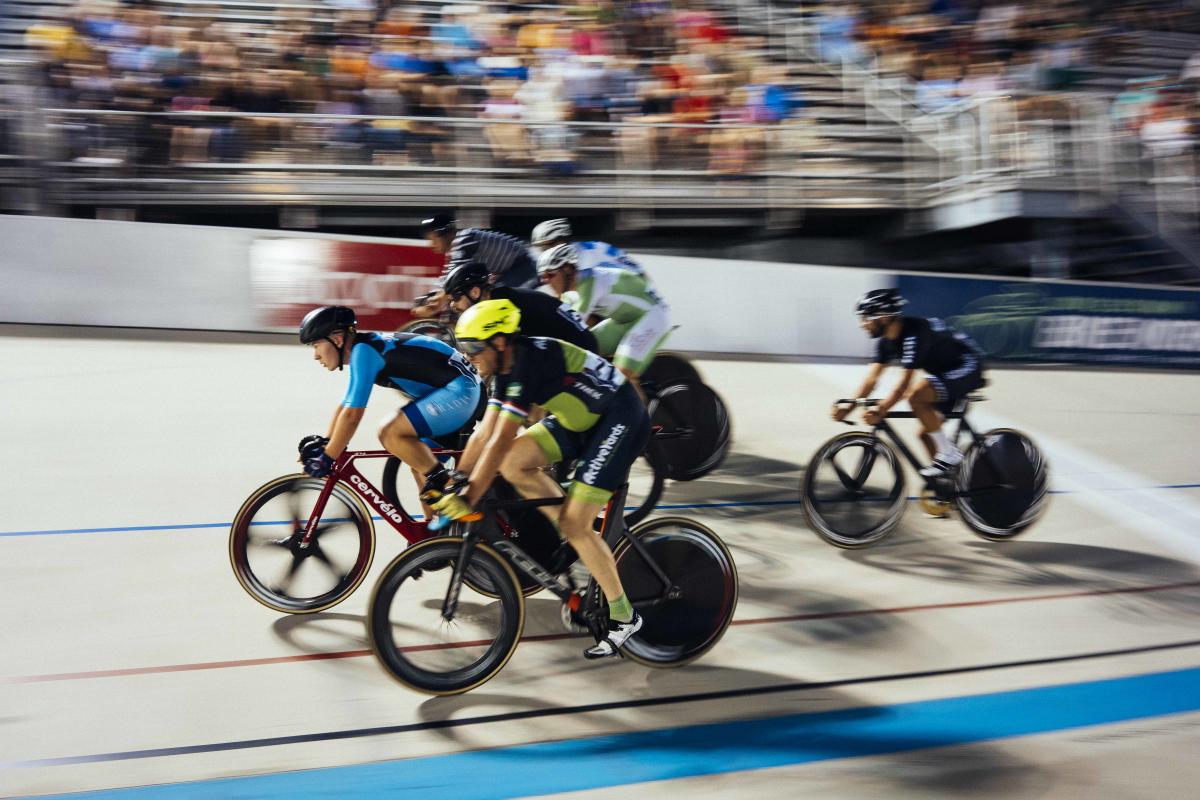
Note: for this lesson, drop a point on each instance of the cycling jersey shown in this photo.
(615, 294)
(545, 315)
(572, 384)
(602, 254)
(412, 364)
(927, 344)
(507, 258)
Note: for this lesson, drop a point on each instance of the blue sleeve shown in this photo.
(365, 364)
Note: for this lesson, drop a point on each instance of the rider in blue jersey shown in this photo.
(443, 387)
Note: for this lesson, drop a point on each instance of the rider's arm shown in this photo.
(343, 430)
(868, 384)
(479, 437)
(365, 364)
(498, 444)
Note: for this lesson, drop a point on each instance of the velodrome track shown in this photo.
(1065, 664)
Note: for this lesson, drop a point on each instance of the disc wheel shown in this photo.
(668, 367)
(692, 427)
(271, 561)
(424, 651)
(1002, 482)
(853, 490)
(682, 621)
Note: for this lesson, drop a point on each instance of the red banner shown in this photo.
(292, 275)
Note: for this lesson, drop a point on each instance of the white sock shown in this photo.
(945, 450)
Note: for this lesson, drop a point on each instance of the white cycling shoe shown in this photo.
(943, 464)
(618, 634)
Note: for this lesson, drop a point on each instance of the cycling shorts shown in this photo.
(633, 345)
(605, 451)
(445, 410)
(956, 384)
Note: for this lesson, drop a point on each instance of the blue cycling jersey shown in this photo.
(412, 364)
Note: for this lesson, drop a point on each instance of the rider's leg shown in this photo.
(399, 438)
(523, 468)
(640, 344)
(575, 525)
(924, 399)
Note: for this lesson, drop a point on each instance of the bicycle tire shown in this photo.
(430, 327)
(694, 407)
(260, 588)
(1006, 513)
(668, 367)
(682, 628)
(425, 560)
(643, 497)
(824, 521)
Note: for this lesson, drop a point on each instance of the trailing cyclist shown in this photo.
(634, 319)
(553, 232)
(507, 258)
(444, 390)
(595, 417)
(953, 362)
(541, 314)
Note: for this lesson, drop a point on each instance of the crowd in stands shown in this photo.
(526, 69)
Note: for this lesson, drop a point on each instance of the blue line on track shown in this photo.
(418, 517)
(672, 753)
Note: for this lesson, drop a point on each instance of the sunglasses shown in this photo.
(472, 347)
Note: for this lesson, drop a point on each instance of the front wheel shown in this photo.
(692, 427)
(1002, 484)
(271, 561)
(853, 490)
(422, 649)
(685, 618)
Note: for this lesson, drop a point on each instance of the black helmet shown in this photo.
(880, 303)
(323, 322)
(439, 223)
(462, 278)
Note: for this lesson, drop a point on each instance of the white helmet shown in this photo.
(550, 231)
(557, 257)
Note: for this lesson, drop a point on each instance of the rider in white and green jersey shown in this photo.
(634, 319)
(554, 232)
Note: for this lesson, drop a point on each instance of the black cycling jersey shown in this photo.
(927, 344)
(507, 258)
(574, 385)
(545, 315)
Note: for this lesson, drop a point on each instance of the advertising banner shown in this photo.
(1064, 322)
(380, 281)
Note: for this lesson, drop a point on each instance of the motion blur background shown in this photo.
(1055, 138)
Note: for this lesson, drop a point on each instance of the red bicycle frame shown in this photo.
(345, 471)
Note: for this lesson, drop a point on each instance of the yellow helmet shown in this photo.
(484, 320)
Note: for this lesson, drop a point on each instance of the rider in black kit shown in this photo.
(541, 314)
(953, 362)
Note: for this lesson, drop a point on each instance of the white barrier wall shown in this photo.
(89, 272)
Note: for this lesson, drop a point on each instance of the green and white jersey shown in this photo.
(617, 294)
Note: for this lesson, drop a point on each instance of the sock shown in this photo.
(620, 609)
(945, 450)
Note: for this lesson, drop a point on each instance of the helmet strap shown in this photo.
(347, 336)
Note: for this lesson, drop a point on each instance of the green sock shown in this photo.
(620, 609)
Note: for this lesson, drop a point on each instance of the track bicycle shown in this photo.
(433, 631)
(853, 491)
(300, 544)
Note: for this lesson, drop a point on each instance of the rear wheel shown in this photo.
(426, 652)
(692, 427)
(1002, 483)
(272, 564)
(853, 490)
(669, 367)
(430, 327)
(684, 620)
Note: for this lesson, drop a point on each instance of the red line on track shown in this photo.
(551, 637)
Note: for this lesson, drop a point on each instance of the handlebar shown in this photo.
(861, 402)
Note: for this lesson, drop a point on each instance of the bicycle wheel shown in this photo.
(265, 545)
(430, 327)
(670, 367)
(683, 621)
(426, 652)
(692, 428)
(853, 490)
(1003, 480)
(646, 479)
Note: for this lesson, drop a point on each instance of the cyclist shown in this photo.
(953, 362)
(634, 319)
(595, 417)
(445, 392)
(507, 258)
(554, 232)
(541, 314)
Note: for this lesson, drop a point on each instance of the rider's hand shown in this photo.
(840, 412)
(452, 506)
(311, 446)
(874, 416)
(318, 466)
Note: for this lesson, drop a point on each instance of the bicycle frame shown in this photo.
(344, 470)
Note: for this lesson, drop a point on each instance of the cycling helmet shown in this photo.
(484, 320)
(557, 257)
(323, 322)
(439, 223)
(550, 231)
(466, 276)
(880, 303)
